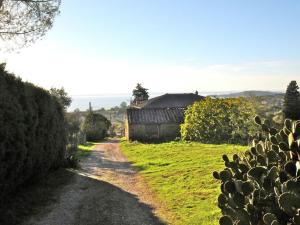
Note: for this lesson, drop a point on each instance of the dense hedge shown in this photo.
(32, 132)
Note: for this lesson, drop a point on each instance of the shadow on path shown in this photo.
(85, 201)
(31, 199)
(70, 197)
(104, 203)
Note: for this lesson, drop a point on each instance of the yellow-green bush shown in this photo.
(32, 132)
(219, 121)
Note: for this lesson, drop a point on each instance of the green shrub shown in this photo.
(291, 108)
(32, 132)
(71, 159)
(95, 126)
(262, 186)
(219, 121)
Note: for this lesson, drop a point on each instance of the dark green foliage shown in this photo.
(262, 186)
(62, 97)
(73, 121)
(140, 93)
(32, 132)
(74, 137)
(71, 159)
(292, 102)
(95, 126)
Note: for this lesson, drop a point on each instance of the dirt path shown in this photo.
(105, 191)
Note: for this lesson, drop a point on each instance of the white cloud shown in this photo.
(81, 74)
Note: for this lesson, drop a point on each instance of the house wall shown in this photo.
(152, 132)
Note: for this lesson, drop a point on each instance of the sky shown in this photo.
(105, 47)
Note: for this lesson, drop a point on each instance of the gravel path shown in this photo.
(107, 190)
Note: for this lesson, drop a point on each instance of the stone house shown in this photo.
(158, 119)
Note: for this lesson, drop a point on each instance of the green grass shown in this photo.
(84, 150)
(181, 176)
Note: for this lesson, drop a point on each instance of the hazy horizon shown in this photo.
(107, 47)
(108, 101)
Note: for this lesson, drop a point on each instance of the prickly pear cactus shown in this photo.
(262, 185)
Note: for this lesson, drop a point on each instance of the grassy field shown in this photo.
(181, 176)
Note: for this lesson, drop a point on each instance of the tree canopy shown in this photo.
(140, 93)
(24, 21)
(62, 97)
(95, 126)
(292, 101)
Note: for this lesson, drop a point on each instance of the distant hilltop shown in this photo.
(248, 94)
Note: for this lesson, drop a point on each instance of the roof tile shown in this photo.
(157, 116)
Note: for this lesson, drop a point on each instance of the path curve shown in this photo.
(106, 190)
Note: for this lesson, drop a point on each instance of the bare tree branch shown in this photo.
(24, 21)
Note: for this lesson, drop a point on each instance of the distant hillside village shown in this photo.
(158, 119)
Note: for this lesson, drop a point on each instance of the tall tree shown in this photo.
(62, 97)
(292, 101)
(24, 21)
(140, 93)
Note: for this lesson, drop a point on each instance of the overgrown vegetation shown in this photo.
(262, 186)
(62, 97)
(80, 129)
(271, 108)
(219, 121)
(32, 132)
(179, 173)
(116, 115)
(95, 126)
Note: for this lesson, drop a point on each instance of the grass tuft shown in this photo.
(85, 150)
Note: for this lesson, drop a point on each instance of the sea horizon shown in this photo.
(108, 101)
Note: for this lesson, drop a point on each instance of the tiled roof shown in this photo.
(171, 101)
(155, 116)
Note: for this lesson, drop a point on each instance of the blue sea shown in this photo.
(98, 102)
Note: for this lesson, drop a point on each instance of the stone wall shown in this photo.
(152, 132)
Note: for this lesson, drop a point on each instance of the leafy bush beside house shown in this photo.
(219, 121)
(32, 132)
